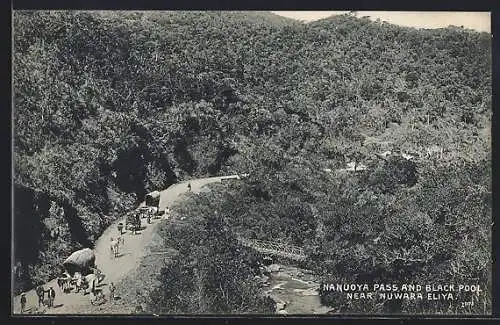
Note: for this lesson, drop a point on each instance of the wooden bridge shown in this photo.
(275, 248)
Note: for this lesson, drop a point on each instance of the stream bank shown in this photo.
(295, 290)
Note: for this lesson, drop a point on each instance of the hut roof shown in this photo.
(80, 260)
(154, 194)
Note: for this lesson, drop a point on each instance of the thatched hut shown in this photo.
(81, 261)
(153, 199)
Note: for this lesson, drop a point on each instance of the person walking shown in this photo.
(120, 228)
(112, 289)
(92, 297)
(189, 187)
(52, 296)
(166, 213)
(40, 292)
(78, 284)
(23, 302)
(120, 239)
(137, 224)
(114, 246)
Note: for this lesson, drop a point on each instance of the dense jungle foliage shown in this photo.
(109, 106)
(211, 273)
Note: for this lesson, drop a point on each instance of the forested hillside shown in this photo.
(109, 106)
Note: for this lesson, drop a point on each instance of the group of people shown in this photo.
(42, 301)
(91, 282)
(96, 295)
(51, 296)
(133, 221)
(115, 245)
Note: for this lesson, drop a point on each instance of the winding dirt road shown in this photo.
(115, 269)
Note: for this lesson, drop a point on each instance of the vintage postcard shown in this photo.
(251, 163)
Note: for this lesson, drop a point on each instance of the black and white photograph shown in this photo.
(177, 162)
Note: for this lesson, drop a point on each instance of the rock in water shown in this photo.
(310, 292)
(274, 268)
(278, 286)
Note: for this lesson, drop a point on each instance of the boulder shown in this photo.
(278, 286)
(274, 268)
(282, 312)
(307, 278)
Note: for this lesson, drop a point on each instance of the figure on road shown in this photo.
(120, 228)
(23, 302)
(120, 239)
(189, 186)
(114, 247)
(40, 292)
(112, 289)
(52, 296)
